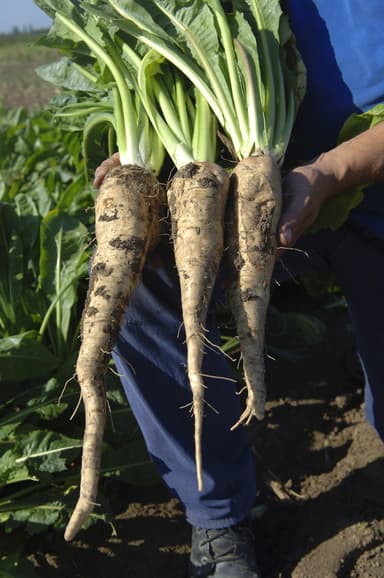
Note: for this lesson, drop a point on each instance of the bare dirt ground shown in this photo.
(320, 469)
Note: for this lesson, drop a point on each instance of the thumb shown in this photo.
(289, 227)
(295, 221)
(285, 236)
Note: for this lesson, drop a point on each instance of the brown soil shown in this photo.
(321, 472)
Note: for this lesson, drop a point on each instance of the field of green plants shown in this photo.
(46, 223)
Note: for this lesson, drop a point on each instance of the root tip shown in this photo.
(69, 536)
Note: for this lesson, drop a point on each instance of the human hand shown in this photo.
(104, 167)
(353, 163)
(303, 195)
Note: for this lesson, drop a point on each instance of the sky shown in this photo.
(23, 14)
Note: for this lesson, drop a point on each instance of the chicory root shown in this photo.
(127, 216)
(255, 211)
(197, 198)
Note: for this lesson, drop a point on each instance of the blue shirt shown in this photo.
(342, 46)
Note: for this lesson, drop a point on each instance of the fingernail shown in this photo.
(96, 175)
(287, 236)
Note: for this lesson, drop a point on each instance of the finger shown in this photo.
(104, 167)
(285, 236)
(102, 170)
(289, 227)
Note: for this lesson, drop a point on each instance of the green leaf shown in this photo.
(46, 451)
(335, 212)
(34, 512)
(195, 29)
(35, 454)
(63, 261)
(66, 74)
(11, 270)
(358, 123)
(7, 429)
(11, 473)
(23, 356)
(39, 516)
(29, 220)
(157, 29)
(46, 401)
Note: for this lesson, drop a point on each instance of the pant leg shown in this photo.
(150, 354)
(357, 262)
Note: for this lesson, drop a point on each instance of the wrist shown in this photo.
(329, 175)
(321, 179)
(354, 163)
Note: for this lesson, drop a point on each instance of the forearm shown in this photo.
(356, 162)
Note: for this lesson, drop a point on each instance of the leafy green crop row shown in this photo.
(43, 250)
(46, 231)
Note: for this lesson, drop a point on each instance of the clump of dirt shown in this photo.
(320, 474)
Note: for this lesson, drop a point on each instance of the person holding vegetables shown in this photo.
(342, 46)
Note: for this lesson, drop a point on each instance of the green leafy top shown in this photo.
(237, 60)
(81, 33)
(240, 56)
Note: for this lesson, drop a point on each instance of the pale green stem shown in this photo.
(128, 147)
(59, 332)
(227, 108)
(177, 58)
(267, 67)
(231, 64)
(180, 98)
(257, 136)
(203, 146)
